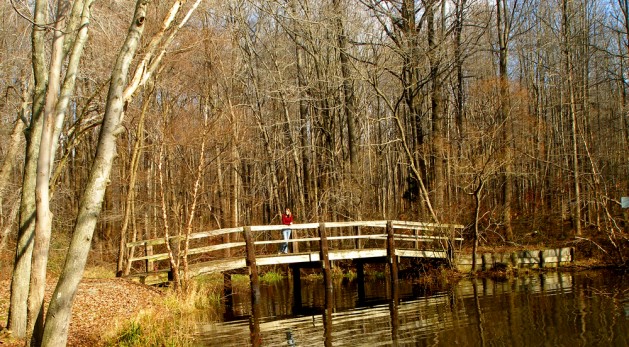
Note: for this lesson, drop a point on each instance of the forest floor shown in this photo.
(100, 305)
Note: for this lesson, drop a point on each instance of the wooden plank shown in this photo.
(373, 224)
(154, 257)
(426, 238)
(315, 257)
(409, 225)
(357, 254)
(413, 253)
(144, 274)
(284, 259)
(198, 235)
(215, 247)
(281, 226)
(269, 242)
(217, 266)
(372, 237)
(192, 251)
(151, 278)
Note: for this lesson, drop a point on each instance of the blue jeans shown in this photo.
(286, 237)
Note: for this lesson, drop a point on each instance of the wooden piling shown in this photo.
(327, 279)
(391, 257)
(360, 276)
(393, 271)
(227, 283)
(227, 289)
(327, 318)
(250, 262)
(323, 255)
(297, 301)
(395, 320)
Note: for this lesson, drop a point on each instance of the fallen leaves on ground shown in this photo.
(99, 305)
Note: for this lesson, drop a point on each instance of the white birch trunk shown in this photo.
(24, 248)
(60, 308)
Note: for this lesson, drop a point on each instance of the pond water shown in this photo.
(552, 309)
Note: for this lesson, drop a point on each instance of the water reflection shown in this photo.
(555, 309)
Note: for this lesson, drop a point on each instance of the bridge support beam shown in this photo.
(227, 290)
(360, 277)
(324, 256)
(250, 262)
(327, 279)
(392, 262)
(297, 301)
(392, 259)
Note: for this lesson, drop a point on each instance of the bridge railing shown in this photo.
(340, 236)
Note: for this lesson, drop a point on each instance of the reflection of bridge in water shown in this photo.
(409, 319)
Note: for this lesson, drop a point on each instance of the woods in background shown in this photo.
(508, 115)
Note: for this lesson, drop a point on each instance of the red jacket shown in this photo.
(286, 219)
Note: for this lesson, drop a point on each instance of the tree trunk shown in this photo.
(195, 194)
(60, 308)
(576, 208)
(43, 222)
(477, 200)
(503, 34)
(133, 169)
(458, 57)
(437, 106)
(16, 139)
(24, 249)
(57, 100)
(348, 87)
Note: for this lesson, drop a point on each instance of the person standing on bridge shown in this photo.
(287, 219)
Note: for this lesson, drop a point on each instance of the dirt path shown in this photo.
(100, 304)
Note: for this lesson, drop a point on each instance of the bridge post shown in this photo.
(297, 300)
(391, 257)
(393, 271)
(227, 289)
(323, 255)
(358, 243)
(360, 276)
(148, 264)
(327, 318)
(327, 278)
(250, 261)
(450, 253)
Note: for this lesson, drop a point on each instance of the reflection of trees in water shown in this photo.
(541, 309)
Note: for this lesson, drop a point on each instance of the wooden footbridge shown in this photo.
(314, 245)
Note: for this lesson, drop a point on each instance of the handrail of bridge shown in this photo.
(223, 231)
(406, 225)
